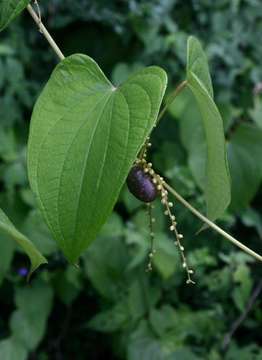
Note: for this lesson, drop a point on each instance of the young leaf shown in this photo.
(9, 10)
(84, 136)
(217, 172)
(7, 228)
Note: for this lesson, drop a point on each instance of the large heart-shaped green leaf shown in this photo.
(85, 134)
(217, 173)
(9, 10)
(7, 228)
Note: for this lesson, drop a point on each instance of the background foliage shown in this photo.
(111, 308)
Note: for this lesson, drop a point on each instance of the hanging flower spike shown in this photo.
(145, 184)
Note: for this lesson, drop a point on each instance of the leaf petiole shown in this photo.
(171, 98)
(45, 32)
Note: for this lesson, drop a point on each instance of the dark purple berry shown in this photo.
(140, 184)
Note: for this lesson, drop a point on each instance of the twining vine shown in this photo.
(78, 89)
(163, 188)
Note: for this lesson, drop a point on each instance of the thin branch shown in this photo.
(211, 224)
(45, 32)
(171, 98)
(243, 316)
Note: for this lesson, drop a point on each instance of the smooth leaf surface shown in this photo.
(9, 10)
(243, 151)
(256, 112)
(10, 349)
(7, 250)
(217, 173)
(28, 324)
(197, 63)
(185, 109)
(84, 136)
(8, 229)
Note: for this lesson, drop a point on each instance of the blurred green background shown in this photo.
(110, 308)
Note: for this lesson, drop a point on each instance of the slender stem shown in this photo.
(44, 31)
(171, 98)
(211, 224)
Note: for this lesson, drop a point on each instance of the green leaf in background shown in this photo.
(10, 349)
(28, 323)
(241, 293)
(36, 229)
(84, 136)
(185, 109)
(256, 112)
(7, 250)
(7, 228)
(244, 150)
(197, 64)
(217, 173)
(166, 259)
(104, 262)
(111, 320)
(9, 10)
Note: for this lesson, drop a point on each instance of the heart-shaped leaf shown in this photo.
(84, 136)
(217, 172)
(9, 229)
(9, 10)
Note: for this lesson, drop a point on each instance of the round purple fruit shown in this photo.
(140, 184)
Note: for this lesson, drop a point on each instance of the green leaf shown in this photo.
(251, 218)
(111, 320)
(7, 228)
(256, 112)
(10, 349)
(9, 10)
(197, 64)
(217, 173)
(104, 262)
(67, 284)
(84, 136)
(35, 228)
(242, 292)
(186, 110)
(28, 322)
(244, 152)
(166, 258)
(7, 250)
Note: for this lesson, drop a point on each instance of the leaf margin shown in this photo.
(36, 258)
(12, 14)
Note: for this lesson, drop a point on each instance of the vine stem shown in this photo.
(45, 32)
(171, 98)
(211, 224)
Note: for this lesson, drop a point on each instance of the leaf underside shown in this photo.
(9, 10)
(217, 185)
(84, 136)
(7, 228)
